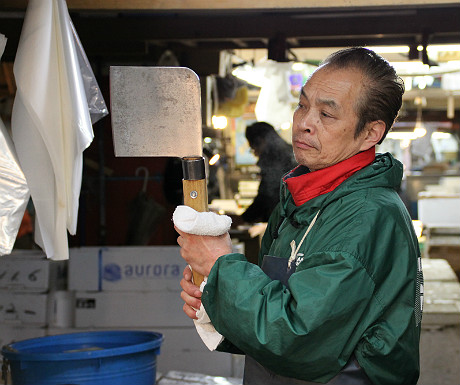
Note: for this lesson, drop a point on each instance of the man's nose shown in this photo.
(308, 121)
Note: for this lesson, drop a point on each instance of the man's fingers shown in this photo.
(187, 284)
(190, 312)
(187, 274)
(190, 289)
(190, 300)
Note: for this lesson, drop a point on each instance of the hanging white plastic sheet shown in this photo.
(2, 43)
(14, 193)
(274, 101)
(51, 121)
(96, 104)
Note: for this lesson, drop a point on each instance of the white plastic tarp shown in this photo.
(51, 122)
(2, 43)
(274, 102)
(14, 193)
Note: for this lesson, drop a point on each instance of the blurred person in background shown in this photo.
(275, 158)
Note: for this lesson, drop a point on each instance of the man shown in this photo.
(275, 159)
(337, 297)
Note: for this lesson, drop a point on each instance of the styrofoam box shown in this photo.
(438, 211)
(61, 312)
(129, 309)
(441, 304)
(31, 271)
(175, 377)
(126, 268)
(183, 349)
(53, 330)
(14, 333)
(24, 308)
(435, 269)
(55, 308)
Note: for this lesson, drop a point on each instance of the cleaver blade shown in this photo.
(156, 111)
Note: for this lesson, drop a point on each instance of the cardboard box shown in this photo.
(152, 268)
(31, 271)
(129, 309)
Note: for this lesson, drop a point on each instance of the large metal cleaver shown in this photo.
(156, 111)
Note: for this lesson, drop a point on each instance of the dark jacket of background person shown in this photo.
(275, 159)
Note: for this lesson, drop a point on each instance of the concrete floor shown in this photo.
(440, 356)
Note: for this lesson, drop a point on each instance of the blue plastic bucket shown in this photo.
(92, 358)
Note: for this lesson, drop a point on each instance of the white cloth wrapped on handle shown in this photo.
(191, 221)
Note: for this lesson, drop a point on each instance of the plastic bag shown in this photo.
(274, 102)
(96, 104)
(14, 193)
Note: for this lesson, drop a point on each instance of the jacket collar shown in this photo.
(305, 185)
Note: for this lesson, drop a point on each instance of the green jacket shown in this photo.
(355, 291)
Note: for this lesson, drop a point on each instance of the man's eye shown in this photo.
(300, 105)
(326, 115)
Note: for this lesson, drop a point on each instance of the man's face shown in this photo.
(325, 120)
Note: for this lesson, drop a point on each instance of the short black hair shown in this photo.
(383, 88)
(258, 132)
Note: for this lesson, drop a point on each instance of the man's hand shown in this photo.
(191, 294)
(202, 251)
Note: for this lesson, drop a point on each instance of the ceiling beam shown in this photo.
(109, 36)
(167, 5)
(199, 27)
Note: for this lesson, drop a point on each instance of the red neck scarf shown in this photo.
(312, 184)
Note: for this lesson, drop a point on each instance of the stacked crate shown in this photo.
(440, 337)
(139, 288)
(29, 286)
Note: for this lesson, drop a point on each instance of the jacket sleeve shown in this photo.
(306, 331)
(227, 346)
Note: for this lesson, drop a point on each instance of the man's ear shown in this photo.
(372, 133)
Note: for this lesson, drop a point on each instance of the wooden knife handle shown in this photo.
(195, 191)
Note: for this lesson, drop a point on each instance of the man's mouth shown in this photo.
(303, 145)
